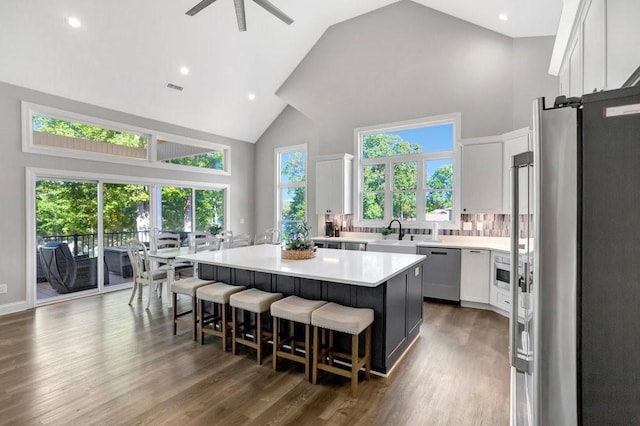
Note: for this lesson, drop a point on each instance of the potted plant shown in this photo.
(385, 231)
(299, 246)
(215, 229)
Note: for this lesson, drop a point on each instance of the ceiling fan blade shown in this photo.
(242, 21)
(198, 7)
(269, 7)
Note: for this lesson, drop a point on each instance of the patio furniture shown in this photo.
(118, 262)
(66, 273)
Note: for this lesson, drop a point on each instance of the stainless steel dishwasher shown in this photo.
(441, 277)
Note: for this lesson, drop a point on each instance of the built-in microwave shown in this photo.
(502, 272)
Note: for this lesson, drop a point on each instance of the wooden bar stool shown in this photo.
(257, 302)
(218, 294)
(188, 287)
(293, 309)
(344, 319)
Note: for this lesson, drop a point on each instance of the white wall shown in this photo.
(13, 163)
(401, 62)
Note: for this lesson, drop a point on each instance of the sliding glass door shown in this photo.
(67, 254)
(82, 227)
(126, 215)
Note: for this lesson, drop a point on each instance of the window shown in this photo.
(291, 202)
(407, 171)
(55, 132)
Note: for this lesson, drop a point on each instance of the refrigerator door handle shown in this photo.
(521, 160)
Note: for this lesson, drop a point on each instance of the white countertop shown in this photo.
(367, 269)
(486, 243)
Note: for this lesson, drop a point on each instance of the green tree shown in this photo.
(209, 160)
(85, 131)
(441, 179)
(405, 176)
(176, 208)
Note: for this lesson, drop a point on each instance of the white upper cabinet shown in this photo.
(602, 51)
(334, 184)
(515, 143)
(623, 34)
(482, 176)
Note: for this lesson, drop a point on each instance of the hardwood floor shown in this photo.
(99, 361)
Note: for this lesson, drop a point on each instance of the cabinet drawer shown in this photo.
(503, 301)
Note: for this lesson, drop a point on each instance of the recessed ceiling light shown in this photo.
(73, 22)
(184, 70)
(503, 17)
(252, 96)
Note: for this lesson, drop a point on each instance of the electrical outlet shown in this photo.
(479, 226)
(3, 288)
(467, 226)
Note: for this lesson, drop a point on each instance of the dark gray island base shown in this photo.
(397, 304)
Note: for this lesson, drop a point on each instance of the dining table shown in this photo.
(167, 256)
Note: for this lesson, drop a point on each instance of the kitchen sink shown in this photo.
(392, 246)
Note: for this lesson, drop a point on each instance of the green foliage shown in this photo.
(293, 170)
(65, 208)
(385, 231)
(300, 238)
(176, 208)
(84, 131)
(209, 210)
(387, 145)
(442, 179)
(209, 160)
(405, 179)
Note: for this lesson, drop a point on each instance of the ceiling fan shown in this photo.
(242, 23)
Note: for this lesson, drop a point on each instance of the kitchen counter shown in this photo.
(367, 269)
(453, 241)
(390, 284)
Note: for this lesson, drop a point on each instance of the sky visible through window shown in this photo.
(431, 138)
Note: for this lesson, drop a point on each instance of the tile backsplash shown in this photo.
(493, 225)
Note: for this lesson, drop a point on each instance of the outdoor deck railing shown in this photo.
(85, 244)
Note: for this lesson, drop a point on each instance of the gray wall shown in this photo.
(401, 62)
(531, 79)
(13, 163)
(290, 128)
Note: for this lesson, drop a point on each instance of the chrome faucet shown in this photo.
(400, 233)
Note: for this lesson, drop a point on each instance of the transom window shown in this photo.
(407, 171)
(55, 132)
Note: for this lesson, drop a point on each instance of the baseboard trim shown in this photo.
(11, 308)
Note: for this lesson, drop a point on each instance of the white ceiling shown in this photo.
(127, 51)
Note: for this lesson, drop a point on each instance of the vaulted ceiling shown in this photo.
(126, 52)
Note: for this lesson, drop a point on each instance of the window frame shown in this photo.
(421, 159)
(32, 174)
(152, 136)
(279, 186)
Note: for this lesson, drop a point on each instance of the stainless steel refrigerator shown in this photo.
(575, 323)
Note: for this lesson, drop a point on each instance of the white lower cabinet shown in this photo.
(501, 299)
(475, 275)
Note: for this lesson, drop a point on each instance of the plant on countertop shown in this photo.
(300, 239)
(385, 231)
(215, 229)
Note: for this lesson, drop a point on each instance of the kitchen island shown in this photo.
(388, 283)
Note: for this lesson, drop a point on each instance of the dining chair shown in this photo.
(142, 272)
(240, 240)
(226, 237)
(166, 240)
(263, 238)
